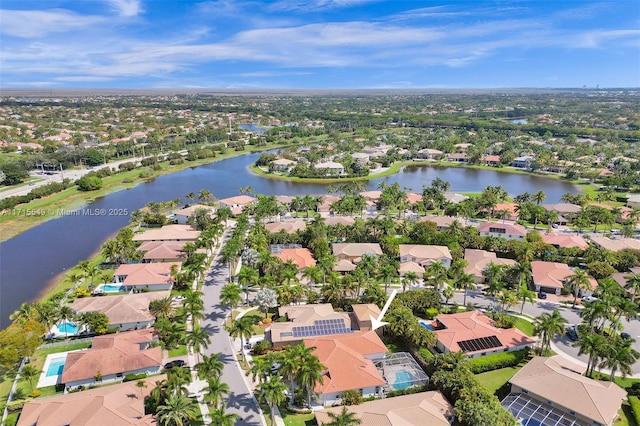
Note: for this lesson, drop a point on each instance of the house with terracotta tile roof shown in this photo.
(121, 404)
(282, 164)
(237, 203)
(479, 260)
(415, 257)
(353, 252)
(362, 314)
(510, 231)
(148, 276)
(125, 312)
(331, 168)
(551, 388)
(617, 244)
(183, 215)
(565, 241)
(348, 362)
(474, 333)
(339, 220)
(419, 409)
(550, 277)
(169, 233)
(113, 356)
(302, 257)
(163, 251)
(443, 222)
(491, 160)
(290, 227)
(326, 201)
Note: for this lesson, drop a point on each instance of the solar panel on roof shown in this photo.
(479, 344)
(322, 328)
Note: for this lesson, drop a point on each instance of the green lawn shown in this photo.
(625, 416)
(179, 351)
(494, 380)
(291, 419)
(525, 326)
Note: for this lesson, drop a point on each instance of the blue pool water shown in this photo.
(68, 327)
(403, 380)
(56, 367)
(111, 288)
(427, 325)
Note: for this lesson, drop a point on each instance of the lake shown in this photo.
(30, 261)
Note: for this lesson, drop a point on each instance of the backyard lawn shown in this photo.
(525, 326)
(496, 379)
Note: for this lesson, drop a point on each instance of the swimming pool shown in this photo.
(68, 328)
(427, 325)
(56, 367)
(404, 379)
(109, 288)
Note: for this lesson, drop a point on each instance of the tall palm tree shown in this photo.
(436, 274)
(592, 345)
(539, 197)
(210, 366)
(220, 417)
(579, 281)
(198, 338)
(141, 384)
(216, 391)
(242, 328)
(309, 374)
(177, 410)
(162, 308)
(525, 295)
(620, 355)
(466, 282)
(343, 418)
(410, 278)
(548, 325)
(29, 373)
(230, 294)
(633, 285)
(273, 392)
(66, 314)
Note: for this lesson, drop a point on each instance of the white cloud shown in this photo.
(126, 8)
(39, 23)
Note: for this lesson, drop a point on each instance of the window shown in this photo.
(498, 230)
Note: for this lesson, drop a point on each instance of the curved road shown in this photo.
(241, 400)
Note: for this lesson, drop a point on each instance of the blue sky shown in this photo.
(321, 44)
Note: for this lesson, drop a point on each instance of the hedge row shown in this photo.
(496, 361)
(132, 377)
(39, 192)
(635, 407)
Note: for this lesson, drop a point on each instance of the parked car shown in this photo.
(174, 363)
(572, 333)
(589, 299)
(542, 295)
(178, 298)
(625, 335)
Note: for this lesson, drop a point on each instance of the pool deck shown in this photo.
(51, 380)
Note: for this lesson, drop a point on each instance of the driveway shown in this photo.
(241, 400)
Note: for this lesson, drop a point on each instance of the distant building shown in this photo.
(414, 257)
(331, 168)
(510, 231)
(183, 215)
(523, 162)
(169, 233)
(479, 260)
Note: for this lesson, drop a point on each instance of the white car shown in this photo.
(589, 299)
(178, 298)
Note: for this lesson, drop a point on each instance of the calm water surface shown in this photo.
(30, 261)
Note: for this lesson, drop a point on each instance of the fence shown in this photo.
(66, 342)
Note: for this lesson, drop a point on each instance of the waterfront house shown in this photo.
(491, 160)
(554, 388)
(430, 154)
(121, 404)
(184, 233)
(566, 211)
(147, 276)
(458, 157)
(510, 231)
(238, 203)
(523, 162)
(163, 251)
(418, 409)
(182, 216)
(331, 168)
(290, 227)
(474, 333)
(111, 357)
(282, 164)
(125, 312)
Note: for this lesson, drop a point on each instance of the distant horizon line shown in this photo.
(87, 91)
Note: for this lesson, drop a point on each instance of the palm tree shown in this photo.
(436, 274)
(273, 392)
(23, 314)
(592, 345)
(65, 313)
(242, 328)
(539, 197)
(620, 355)
(216, 391)
(220, 417)
(210, 366)
(548, 325)
(579, 281)
(198, 338)
(466, 282)
(29, 373)
(525, 295)
(162, 308)
(410, 278)
(205, 195)
(141, 384)
(260, 367)
(177, 410)
(633, 285)
(309, 374)
(344, 418)
(230, 295)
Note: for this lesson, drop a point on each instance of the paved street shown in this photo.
(571, 315)
(241, 400)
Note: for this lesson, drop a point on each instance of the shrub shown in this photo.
(132, 377)
(408, 391)
(504, 321)
(261, 347)
(89, 183)
(351, 397)
(496, 361)
(634, 402)
(36, 393)
(17, 404)
(431, 313)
